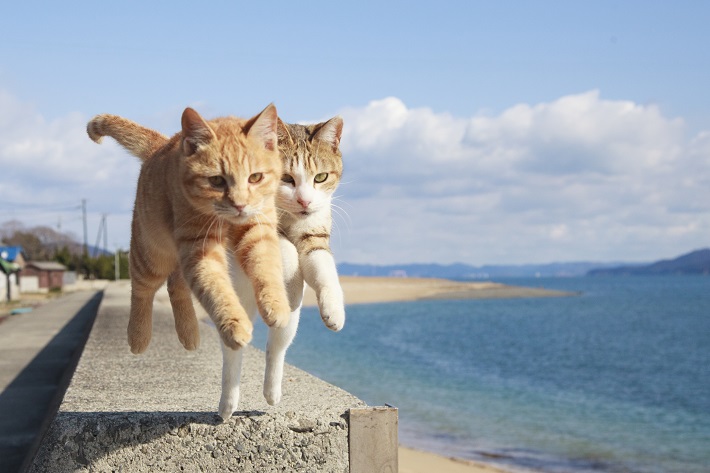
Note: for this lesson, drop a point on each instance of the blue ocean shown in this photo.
(615, 379)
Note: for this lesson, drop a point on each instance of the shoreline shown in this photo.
(413, 460)
(372, 290)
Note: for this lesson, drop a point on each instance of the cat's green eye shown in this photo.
(287, 179)
(217, 181)
(256, 177)
(320, 177)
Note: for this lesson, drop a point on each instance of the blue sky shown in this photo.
(475, 132)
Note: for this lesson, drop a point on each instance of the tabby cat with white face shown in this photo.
(312, 167)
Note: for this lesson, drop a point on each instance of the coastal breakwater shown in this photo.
(157, 411)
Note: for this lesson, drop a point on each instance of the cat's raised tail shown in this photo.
(138, 140)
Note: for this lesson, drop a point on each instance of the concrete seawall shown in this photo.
(157, 412)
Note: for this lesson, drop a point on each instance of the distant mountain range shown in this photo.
(696, 262)
(465, 271)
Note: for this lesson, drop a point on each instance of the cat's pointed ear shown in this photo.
(195, 132)
(330, 132)
(283, 133)
(263, 127)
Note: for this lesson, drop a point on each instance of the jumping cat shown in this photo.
(312, 169)
(204, 196)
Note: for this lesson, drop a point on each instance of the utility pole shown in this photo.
(103, 219)
(116, 263)
(83, 211)
(102, 229)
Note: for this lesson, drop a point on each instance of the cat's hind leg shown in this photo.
(231, 376)
(279, 339)
(186, 324)
(146, 279)
(232, 359)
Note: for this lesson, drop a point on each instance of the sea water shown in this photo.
(614, 379)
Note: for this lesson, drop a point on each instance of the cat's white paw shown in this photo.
(272, 393)
(227, 406)
(332, 307)
(276, 312)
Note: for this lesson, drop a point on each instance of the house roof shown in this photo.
(46, 266)
(10, 253)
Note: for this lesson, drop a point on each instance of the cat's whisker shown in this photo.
(201, 231)
(341, 201)
(337, 231)
(340, 197)
(207, 233)
(280, 211)
(337, 226)
(190, 220)
(221, 226)
(342, 213)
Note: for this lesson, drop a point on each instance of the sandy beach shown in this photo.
(416, 461)
(363, 290)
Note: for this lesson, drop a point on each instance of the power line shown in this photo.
(7, 205)
(103, 230)
(83, 211)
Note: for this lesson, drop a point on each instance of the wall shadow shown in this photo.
(31, 400)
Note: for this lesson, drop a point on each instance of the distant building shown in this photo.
(12, 261)
(42, 276)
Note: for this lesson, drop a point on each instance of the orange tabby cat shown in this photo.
(205, 196)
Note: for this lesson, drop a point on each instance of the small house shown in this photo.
(42, 276)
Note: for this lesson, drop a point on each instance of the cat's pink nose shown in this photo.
(304, 203)
(239, 208)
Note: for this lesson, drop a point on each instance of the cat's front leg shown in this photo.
(148, 273)
(258, 254)
(207, 274)
(319, 271)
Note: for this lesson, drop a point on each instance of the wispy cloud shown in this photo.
(45, 163)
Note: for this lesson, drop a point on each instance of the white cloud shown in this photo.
(577, 178)
(48, 167)
(580, 177)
